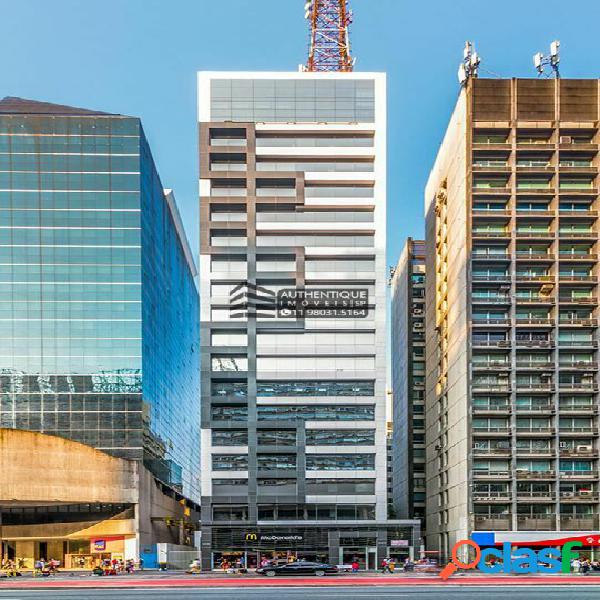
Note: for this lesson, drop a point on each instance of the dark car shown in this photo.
(302, 567)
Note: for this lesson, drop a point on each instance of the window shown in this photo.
(229, 437)
(276, 461)
(230, 513)
(318, 388)
(340, 437)
(229, 413)
(229, 462)
(334, 462)
(276, 437)
(335, 487)
(229, 388)
(316, 413)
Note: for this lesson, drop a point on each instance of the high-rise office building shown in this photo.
(408, 381)
(292, 187)
(99, 322)
(512, 314)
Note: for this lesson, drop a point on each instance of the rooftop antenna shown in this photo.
(329, 48)
(541, 61)
(470, 64)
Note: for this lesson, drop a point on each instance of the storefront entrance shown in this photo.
(366, 556)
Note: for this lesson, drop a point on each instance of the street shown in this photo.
(301, 593)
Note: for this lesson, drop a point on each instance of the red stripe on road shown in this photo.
(108, 582)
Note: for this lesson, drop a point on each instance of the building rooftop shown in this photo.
(15, 105)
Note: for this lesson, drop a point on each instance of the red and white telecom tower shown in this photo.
(329, 48)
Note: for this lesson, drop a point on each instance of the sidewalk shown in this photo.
(179, 579)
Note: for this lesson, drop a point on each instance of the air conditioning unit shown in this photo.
(418, 325)
(567, 494)
(522, 471)
(566, 139)
(585, 492)
(563, 445)
(417, 311)
(584, 448)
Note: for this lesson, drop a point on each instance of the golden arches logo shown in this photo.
(251, 537)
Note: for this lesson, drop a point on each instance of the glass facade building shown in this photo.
(99, 331)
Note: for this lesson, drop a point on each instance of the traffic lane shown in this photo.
(429, 592)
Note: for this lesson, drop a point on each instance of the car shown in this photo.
(302, 567)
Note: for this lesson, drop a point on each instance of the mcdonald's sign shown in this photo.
(251, 537)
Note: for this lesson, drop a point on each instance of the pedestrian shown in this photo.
(384, 565)
(391, 565)
(576, 564)
(141, 564)
(355, 566)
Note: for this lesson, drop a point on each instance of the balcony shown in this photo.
(485, 277)
(534, 365)
(586, 301)
(492, 496)
(534, 343)
(536, 235)
(534, 278)
(577, 344)
(577, 278)
(495, 452)
(490, 343)
(492, 407)
(575, 386)
(585, 409)
(535, 299)
(587, 496)
(491, 190)
(547, 407)
(488, 212)
(481, 365)
(529, 496)
(577, 191)
(490, 234)
(491, 474)
(525, 474)
(578, 523)
(583, 235)
(580, 475)
(535, 386)
(534, 321)
(536, 523)
(530, 430)
(578, 322)
(535, 452)
(578, 365)
(491, 430)
(582, 256)
(578, 431)
(503, 388)
(492, 522)
(478, 255)
(490, 321)
(527, 256)
(491, 299)
(564, 212)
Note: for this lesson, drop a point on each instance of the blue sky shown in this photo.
(140, 57)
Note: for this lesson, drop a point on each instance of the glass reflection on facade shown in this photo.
(97, 289)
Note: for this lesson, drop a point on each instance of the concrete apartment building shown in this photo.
(99, 341)
(292, 196)
(512, 314)
(408, 382)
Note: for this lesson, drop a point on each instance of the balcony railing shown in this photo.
(491, 473)
(578, 386)
(523, 474)
(580, 322)
(536, 256)
(535, 408)
(491, 300)
(491, 496)
(534, 364)
(536, 299)
(535, 385)
(543, 429)
(576, 277)
(492, 429)
(578, 523)
(491, 451)
(583, 365)
(491, 523)
(589, 496)
(533, 321)
(577, 343)
(537, 523)
(493, 407)
(485, 277)
(579, 474)
(536, 234)
(529, 495)
(585, 256)
(578, 408)
(490, 256)
(491, 234)
(576, 300)
(578, 430)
